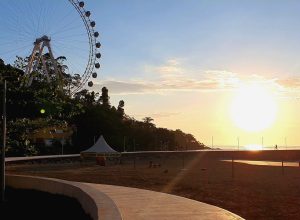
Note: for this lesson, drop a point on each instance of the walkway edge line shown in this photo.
(95, 203)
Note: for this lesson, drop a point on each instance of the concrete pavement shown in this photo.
(122, 202)
(108, 202)
(14, 159)
(149, 205)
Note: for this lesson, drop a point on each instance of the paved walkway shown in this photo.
(138, 204)
(11, 159)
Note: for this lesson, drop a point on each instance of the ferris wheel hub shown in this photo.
(44, 38)
(37, 57)
(47, 36)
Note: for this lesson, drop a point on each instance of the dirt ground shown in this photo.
(253, 192)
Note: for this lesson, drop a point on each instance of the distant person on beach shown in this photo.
(276, 147)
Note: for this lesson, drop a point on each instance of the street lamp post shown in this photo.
(62, 148)
(124, 143)
(3, 144)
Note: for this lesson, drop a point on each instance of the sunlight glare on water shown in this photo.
(254, 147)
(267, 163)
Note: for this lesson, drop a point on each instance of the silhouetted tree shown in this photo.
(121, 107)
(88, 116)
(148, 122)
(104, 98)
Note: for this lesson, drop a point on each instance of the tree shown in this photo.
(121, 107)
(88, 116)
(148, 122)
(21, 63)
(86, 97)
(104, 98)
(19, 132)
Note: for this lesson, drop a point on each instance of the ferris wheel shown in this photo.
(56, 28)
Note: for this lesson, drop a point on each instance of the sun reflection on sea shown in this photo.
(254, 147)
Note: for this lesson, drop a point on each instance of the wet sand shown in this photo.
(251, 191)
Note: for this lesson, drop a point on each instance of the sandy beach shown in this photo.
(251, 191)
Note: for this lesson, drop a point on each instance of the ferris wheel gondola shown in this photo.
(38, 21)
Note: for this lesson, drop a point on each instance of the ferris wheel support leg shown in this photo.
(45, 70)
(48, 67)
(40, 58)
(39, 51)
(30, 64)
(57, 72)
(32, 58)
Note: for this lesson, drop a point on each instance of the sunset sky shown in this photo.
(183, 63)
(210, 68)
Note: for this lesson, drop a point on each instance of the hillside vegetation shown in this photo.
(88, 113)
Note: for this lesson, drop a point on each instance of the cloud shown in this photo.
(289, 87)
(164, 114)
(223, 79)
(141, 87)
(171, 67)
(289, 83)
(125, 87)
(157, 115)
(173, 75)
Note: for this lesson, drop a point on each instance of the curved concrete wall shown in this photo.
(109, 202)
(98, 205)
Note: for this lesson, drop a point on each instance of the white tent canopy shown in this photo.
(99, 148)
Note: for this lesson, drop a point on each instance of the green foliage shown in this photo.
(90, 113)
(104, 98)
(19, 132)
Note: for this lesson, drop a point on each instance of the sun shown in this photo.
(253, 108)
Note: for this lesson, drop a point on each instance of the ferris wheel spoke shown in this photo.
(10, 25)
(10, 43)
(70, 46)
(50, 26)
(30, 21)
(18, 31)
(73, 67)
(74, 42)
(14, 50)
(75, 35)
(64, 51)
(39, 17)
(26, 20)
(64, 26)
(66, 29)
(11, 10)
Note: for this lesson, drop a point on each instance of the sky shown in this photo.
(185, 63)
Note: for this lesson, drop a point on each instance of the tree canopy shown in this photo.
(88, 112)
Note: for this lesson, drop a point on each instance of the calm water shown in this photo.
(226, 147)
(266, 163)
